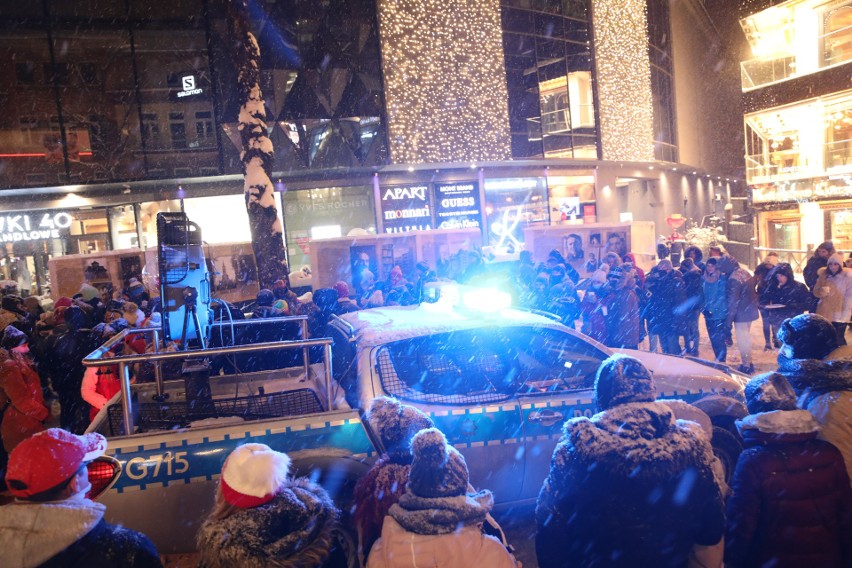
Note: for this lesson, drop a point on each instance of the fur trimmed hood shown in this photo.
(637, 440)
(778, 426)
(294, 530)
(816, 377)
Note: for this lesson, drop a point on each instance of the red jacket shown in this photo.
(791, 504)
(99, 385)
(26, 412)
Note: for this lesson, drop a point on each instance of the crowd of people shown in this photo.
(620, 306)
(634, 485)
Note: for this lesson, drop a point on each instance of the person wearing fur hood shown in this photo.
(264, 518)
(792, 503)
(615, 493)
(834, 290)
(437, 522)
(823, 385)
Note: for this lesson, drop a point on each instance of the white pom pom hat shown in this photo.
(253, 474)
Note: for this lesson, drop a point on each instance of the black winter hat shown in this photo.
(807, 336)
(396, 424)
(438, 469)
(12, 303)
(12, 337)
(622, 379)
(265, 297)
(768, 392)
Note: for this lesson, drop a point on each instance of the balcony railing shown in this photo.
(768, 167)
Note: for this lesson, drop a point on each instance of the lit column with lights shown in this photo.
(624, 80)
(445, 80)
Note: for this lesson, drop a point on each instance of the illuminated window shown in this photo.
(837, 34)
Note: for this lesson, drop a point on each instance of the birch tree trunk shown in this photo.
(257, 153)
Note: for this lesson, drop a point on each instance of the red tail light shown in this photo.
(103, 472)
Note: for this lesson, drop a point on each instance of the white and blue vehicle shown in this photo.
(499, 382)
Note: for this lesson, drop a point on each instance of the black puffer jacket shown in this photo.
(794, 296)
(629, 487)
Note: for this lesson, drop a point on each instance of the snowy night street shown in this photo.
(446, 283)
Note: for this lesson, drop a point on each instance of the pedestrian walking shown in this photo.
(742, 307)
(630, 486)
(792, 503)
(715, 308)
(263, 517)
(834, 289)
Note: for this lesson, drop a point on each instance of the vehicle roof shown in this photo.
(378, 326)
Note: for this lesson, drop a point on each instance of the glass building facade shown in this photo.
(123, 90)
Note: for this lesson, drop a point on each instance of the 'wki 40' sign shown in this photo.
(33, 227)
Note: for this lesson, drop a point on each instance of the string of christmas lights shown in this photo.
(445, 80)
(624, 80)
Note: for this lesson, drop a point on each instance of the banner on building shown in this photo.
(405, 208)
(457, 205)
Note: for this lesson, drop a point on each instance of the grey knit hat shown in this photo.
(768, 392)
(396, 424)
(622, 379)
(438, 469)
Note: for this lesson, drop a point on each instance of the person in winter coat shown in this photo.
(623, 322)
(824, 387)
(690, 310)
(437, 523)
(565, 302)
(20, 392)
(263, 517)
(51, 523)
(385, 482)
(761, 279)
(630, 486)
(372, 296)
(63, 355)
(11, 311)
(694, 253)
(281, 291)
(783, 297)
(398, 290)
(555, 258)
(834, 290)
(264, 306)
(640, 274)
(792, 502)
(592, 307)
(817, 261)
(668, 293)
(715, 308)
(742, 306)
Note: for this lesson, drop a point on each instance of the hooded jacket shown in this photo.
(69, 533)
(294, 530)
(697, 256)
(25, 412)
(793, 295)
(594, 508)
(824, 389)
(623, 322)
(834, 292)
(814, 263)
(791, 504)
(715, 300)
(742, 295)
(668, 294)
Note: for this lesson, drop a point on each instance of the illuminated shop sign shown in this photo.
(16, 227)
(406, 208)
(803, 190)
(187, 85)
(457, 205)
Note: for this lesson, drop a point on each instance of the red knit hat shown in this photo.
(253, 474)
(45, 460)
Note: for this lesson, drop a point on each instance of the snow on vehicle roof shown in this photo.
(378, 326)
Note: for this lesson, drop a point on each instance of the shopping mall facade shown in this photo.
(797, 100)
(385, 117)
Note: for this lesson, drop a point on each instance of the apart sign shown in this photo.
(406, 208)
(457, 205)
(16, 227)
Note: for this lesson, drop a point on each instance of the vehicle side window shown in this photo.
(450, 368)
(552, 361)
(344, 364)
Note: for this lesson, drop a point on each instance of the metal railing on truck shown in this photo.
(96, 358)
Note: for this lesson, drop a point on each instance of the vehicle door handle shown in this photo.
(546, 417)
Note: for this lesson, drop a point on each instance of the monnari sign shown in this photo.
(405, 208)
(16, 227)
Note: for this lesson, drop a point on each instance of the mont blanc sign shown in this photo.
(16, 227)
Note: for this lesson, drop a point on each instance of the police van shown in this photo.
(499, 382)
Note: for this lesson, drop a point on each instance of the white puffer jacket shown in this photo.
(834, 292)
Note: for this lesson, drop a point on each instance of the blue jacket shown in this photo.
(716, 298)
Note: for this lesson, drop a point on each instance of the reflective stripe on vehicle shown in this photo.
(182, 461)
